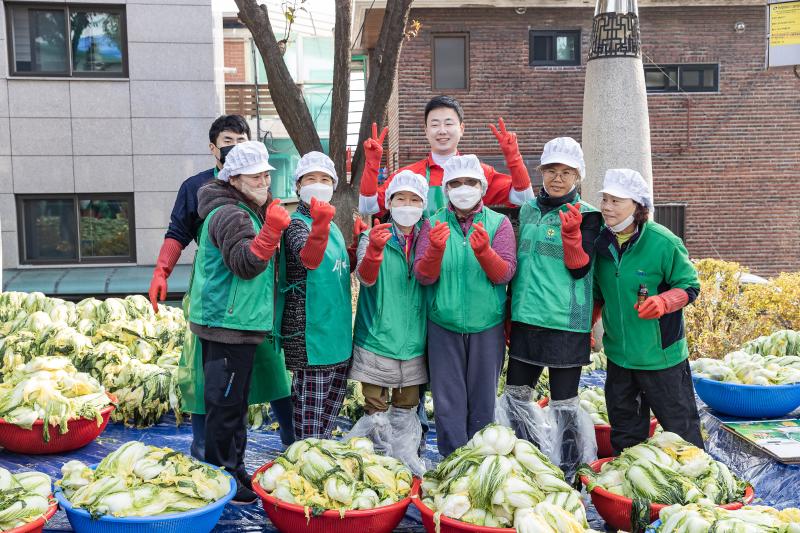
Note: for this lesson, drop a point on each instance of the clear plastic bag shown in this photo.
(377, 428)
(406, 435)
(574, 440)
(516, 409)
(395, 433)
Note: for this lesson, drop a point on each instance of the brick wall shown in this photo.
(732, 156)
(392, 157)
(234, 57)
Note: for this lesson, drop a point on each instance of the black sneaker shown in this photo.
(244, 496)
(244, 478)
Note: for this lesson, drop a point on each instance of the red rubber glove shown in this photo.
(661, 304)
(373, 153)
(491, 263)
(516, 166)
(359, 226)
(378, 237)
(314, 250)
(266, 242)
(167, 259)
(431, 263)
(574, 254)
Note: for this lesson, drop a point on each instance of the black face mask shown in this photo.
(224, 152)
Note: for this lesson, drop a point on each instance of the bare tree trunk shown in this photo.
(340, 94)
(383, 67)
(291, 106)
(286, 95)
(340, 102)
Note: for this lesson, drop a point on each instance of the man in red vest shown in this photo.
(444, 127)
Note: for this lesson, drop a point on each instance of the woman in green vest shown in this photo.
(315, 311)
(390, 327)
(232, 301)
(466, 255)
(643, 280)
(551, 310)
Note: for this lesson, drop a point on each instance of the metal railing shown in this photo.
(243, 99)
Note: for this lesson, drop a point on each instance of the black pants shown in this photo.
(227, 369)
(563, 381)
(632, 394)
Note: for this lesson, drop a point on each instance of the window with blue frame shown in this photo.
(69, 40)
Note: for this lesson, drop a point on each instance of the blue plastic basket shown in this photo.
(200, 520)
(748, 401)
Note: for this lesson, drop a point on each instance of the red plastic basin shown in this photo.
(37, 526)
(291, 518)
(616, 510)
(602, 433)
(80, 432)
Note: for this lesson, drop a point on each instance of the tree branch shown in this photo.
(285, 94)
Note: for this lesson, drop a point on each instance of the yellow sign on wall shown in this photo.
(784, 24)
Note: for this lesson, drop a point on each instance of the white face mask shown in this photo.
(259, 195)
(320, 191)
(406, 215)
(465, 197)
(622, 225)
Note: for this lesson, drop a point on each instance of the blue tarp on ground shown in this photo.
(775, 483)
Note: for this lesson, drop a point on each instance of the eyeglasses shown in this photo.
(458, 182)
(565, 174)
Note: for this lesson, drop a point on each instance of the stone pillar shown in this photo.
(616, 123)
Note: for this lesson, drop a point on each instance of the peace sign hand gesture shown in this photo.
(373, 152)
(373, 147)
(506, 139)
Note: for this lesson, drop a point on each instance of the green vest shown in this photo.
(463, 299)
(544, 293)
(329, 315)
(390, 318)
(222, 300)
(656, 257)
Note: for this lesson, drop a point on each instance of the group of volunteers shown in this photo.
(441, 276)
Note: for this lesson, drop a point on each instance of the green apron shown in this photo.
(329, 314)
(436, 199)
(269, 380)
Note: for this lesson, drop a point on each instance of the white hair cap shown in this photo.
(627, 183)
(408, 180)
(316, 162)
(249, 157)
(564, 150)
(464, 166)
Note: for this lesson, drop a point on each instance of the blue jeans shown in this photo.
(198, 449)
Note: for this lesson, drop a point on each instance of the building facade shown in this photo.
(725, 131)
(104, 111)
